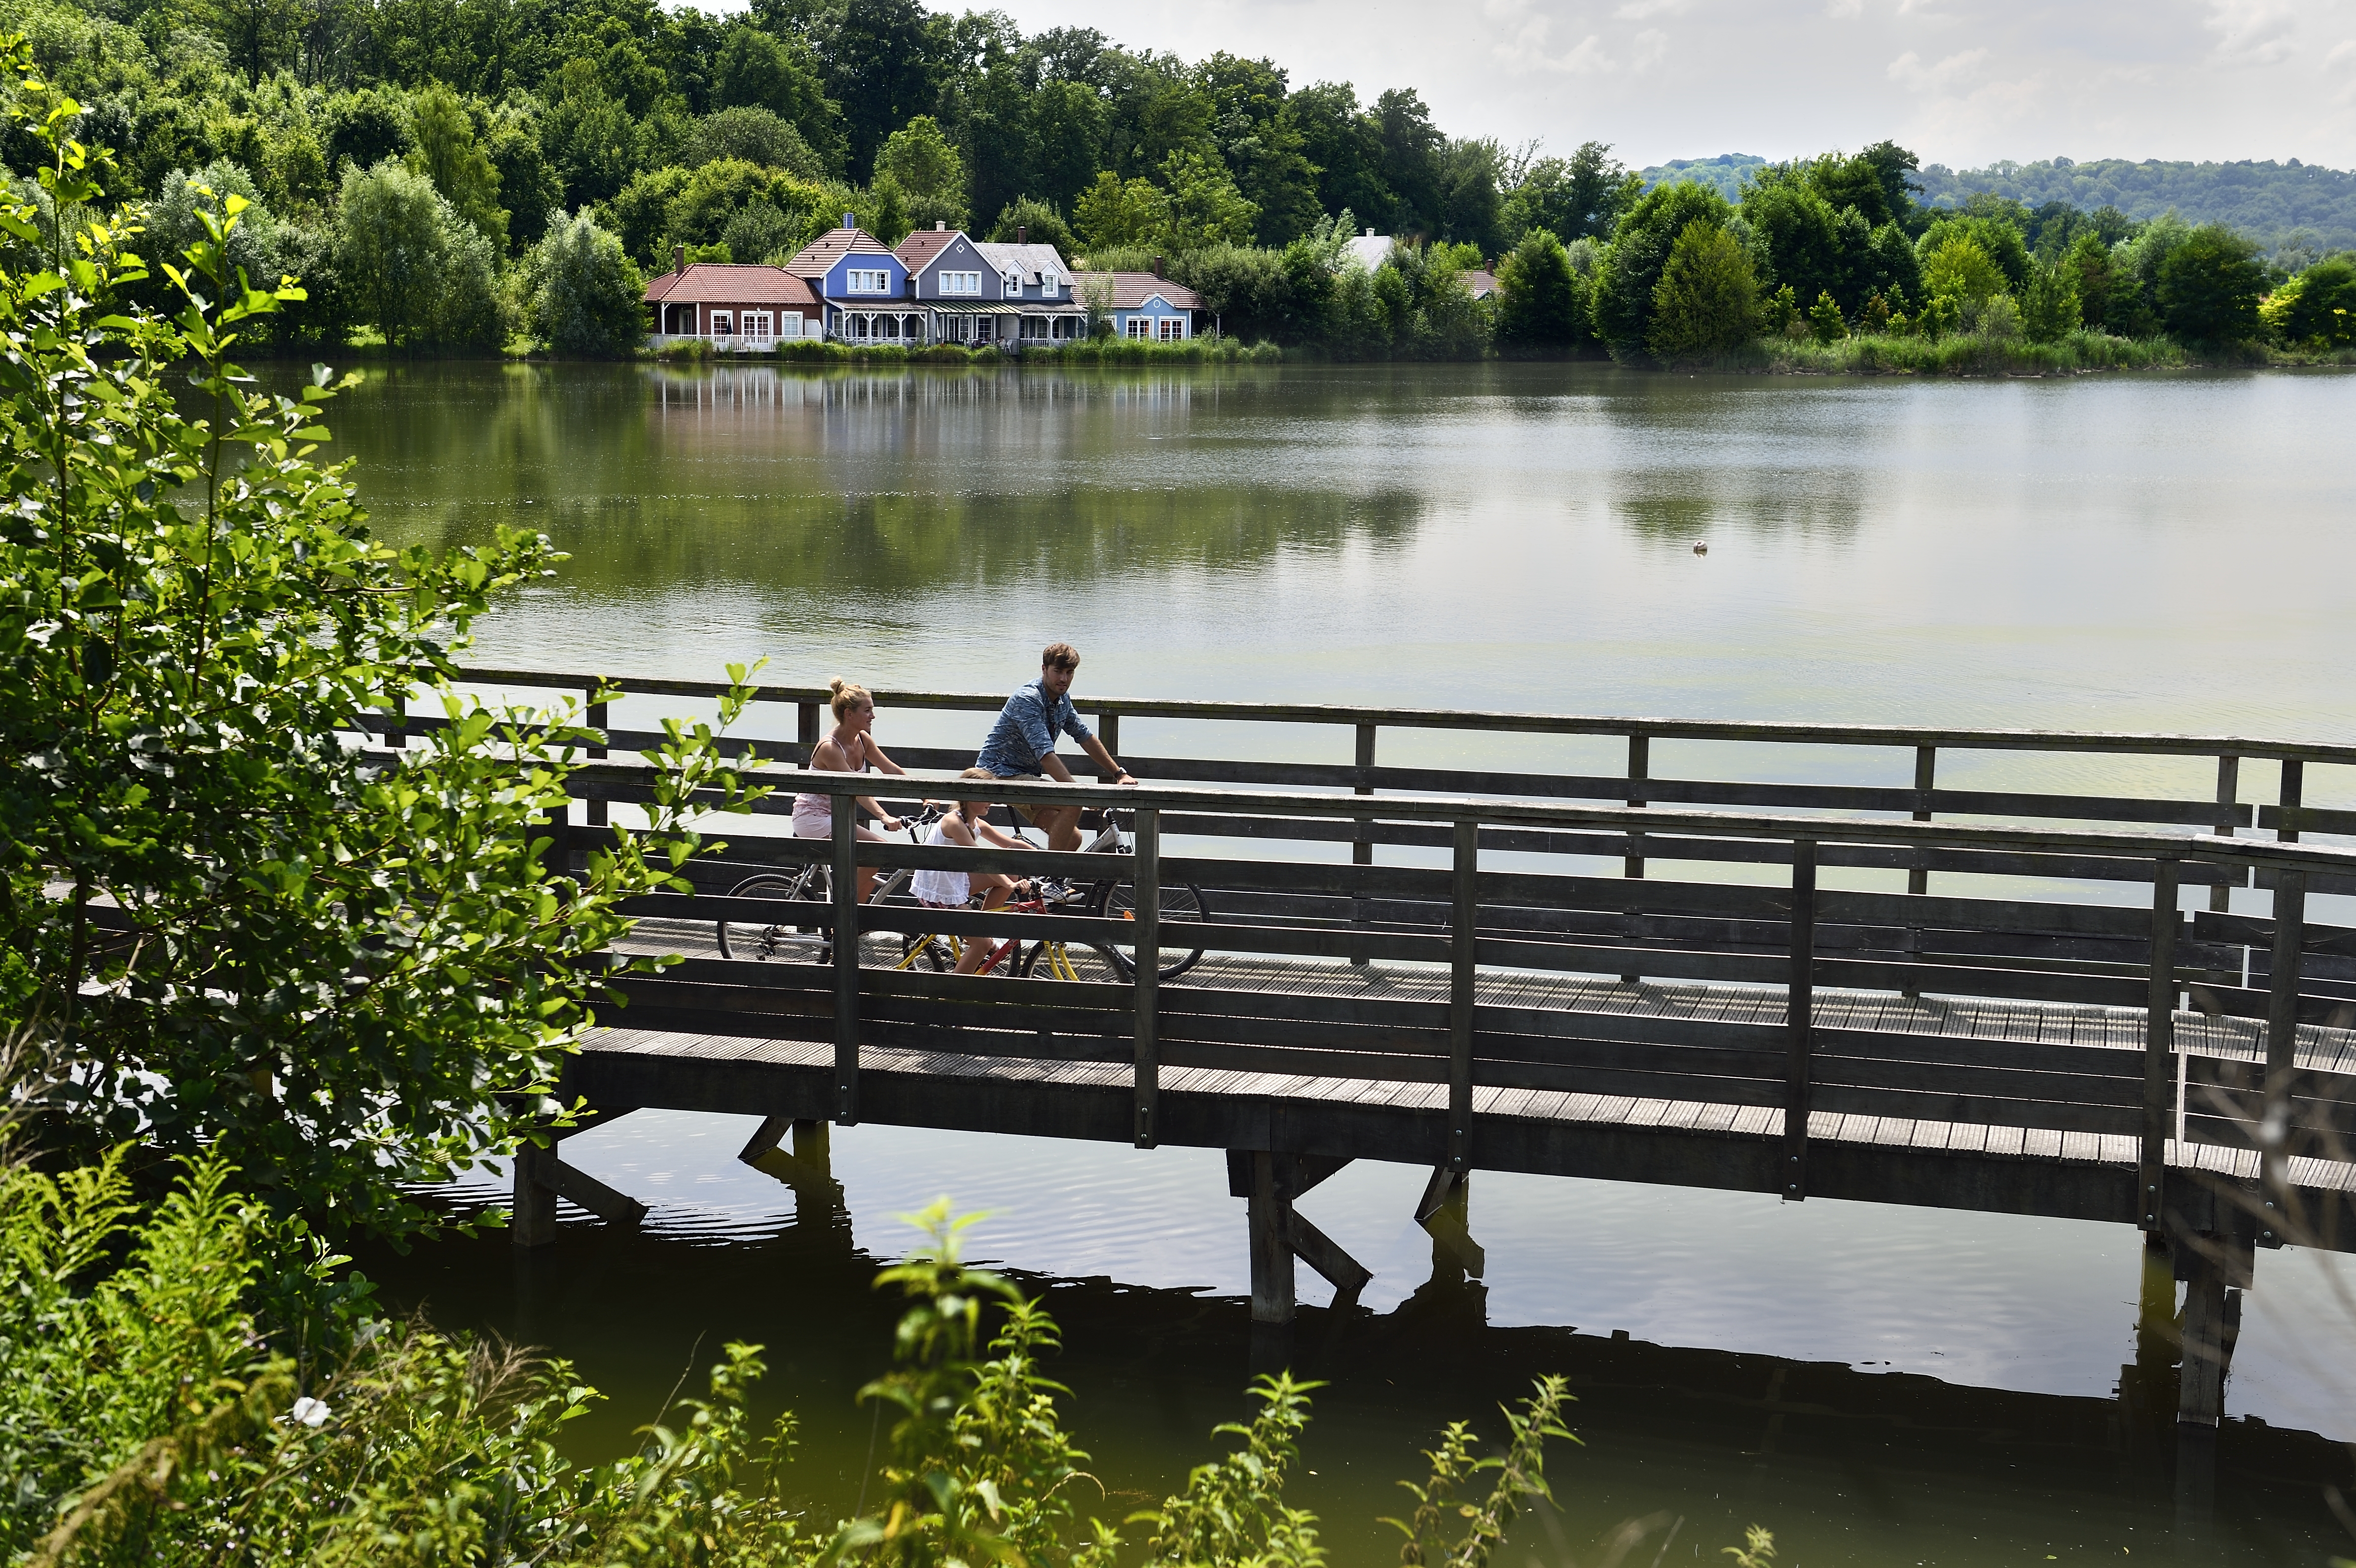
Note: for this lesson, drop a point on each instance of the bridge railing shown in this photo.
(1459, 941)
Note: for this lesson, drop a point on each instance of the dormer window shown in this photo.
(1013, 281)
(865, 280)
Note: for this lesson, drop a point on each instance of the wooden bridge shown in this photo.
(1517, 985)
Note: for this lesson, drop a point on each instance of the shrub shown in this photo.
(2209, 287)
(412, 266)
(1628, 278)
(1825, 323)
(1960, 270)
(1540, 300)
(2318, 307)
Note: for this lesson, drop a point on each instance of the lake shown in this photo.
(2165, 552)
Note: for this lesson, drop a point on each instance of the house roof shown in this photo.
(1131, 290)
(1482, 285)
(1033, 262)
(1370, 250)
(722, 283)
(924, 244)
(830, 247)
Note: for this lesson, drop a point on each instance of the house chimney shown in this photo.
(678, 258)
(851, 221)
(940, 225)
(1370, 233)
(1157, 266)
(1023, 233)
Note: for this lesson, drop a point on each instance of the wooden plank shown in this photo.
(1146, 957)
(2282, 1016)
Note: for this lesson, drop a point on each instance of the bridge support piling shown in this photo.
(2215, 1269)
(1270, 1217)
(534, 1224)
(1445, 1214)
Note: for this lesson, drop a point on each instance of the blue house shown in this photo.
(863, 288)
(1145, 305)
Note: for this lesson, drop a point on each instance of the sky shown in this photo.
(1961, 82)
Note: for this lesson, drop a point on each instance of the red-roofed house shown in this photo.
(731, 306)
(1144, 306)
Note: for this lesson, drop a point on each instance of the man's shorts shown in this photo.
(1029, 814)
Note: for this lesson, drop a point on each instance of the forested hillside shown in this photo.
(470, 174)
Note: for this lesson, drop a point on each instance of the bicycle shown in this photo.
(813, 885)
(1114, 898)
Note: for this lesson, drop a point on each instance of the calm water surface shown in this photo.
(1878, 1385)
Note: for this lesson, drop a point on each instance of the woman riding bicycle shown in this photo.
(849, 747)
(967, 826)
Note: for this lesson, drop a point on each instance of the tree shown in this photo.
(587, 297)
(1471, 209)
(1825, 322)
(1707, 296)
(640, 214)
(1067, 134)
(365, 128)
(1541, 302)
(2210, 287)
(757, 136)
(757, 70)
(528, 181)
(447, 154)
(227, 931)
(590, 137)
(415, 267)
(930, 176)
(1997, 239)
(1343, 144)
(1114, 213)
(1630, 273)
(1206, 208)
(2049, 311)
(2089, 258)
(1957, 269)
(1027, 215)
(1412, 148)
(883, 64)
(1795, 238)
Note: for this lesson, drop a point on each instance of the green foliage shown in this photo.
(445, 153)
(756, 134)
(1997, 238)
(2316, 308)
(1206, 208)
(413, 265)
(1757, 1550)
(1707, 299)
(1630, 273)
(1580, 197)
(2049, 310)
(2209, 287)
(1114, 211)
(930, 176)
(2267, 200)
(1541, 301)
(585, 297)
(1040, 220)
(297, 942)
(1825, 323)
(1957, 269)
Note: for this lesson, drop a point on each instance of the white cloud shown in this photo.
(1844, 10)
(1909, 70)
(2254, 32)
(1639, 10)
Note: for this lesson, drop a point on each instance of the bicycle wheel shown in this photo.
(762, 940)
(1080, 961)
(1181, 902)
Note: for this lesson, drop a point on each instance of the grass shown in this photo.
(1958, 354)
(1126, 351)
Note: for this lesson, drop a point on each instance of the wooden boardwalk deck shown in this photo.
(2023, 1169)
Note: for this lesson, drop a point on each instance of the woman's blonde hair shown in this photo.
(847, 695)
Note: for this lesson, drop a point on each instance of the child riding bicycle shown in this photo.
(967, 825)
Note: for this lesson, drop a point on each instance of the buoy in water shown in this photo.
(1701, 546)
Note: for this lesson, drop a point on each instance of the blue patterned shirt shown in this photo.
(1026, 731)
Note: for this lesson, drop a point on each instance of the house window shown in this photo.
(758, 326)
(1013, 282)
(955, 328)
(723, 323)
(961, 283)
(789, 325)
(1173, 328)
(866, 280)
(1140, 327)
(1050, 284)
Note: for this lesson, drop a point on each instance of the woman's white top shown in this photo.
(943, 889)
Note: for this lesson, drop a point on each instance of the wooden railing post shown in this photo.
(1362, 848)
(1147, 880)
(2159, 1048)
(1108, 731)
(846, 961)
(1926, 771)
(598, 721)
(2282, 1041)
(1463, 925)
(806, 733)
(1639, 767)
(2229, 790)
(1800, 1018)
(2294, 775)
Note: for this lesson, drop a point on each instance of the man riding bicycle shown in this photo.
(1021, 743)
